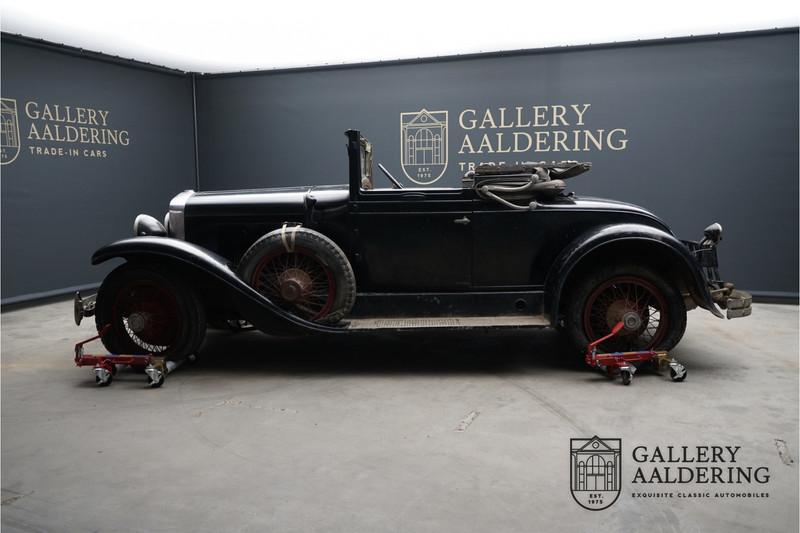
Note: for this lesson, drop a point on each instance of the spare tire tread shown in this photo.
(326, 251)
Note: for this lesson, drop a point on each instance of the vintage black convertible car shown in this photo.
(509, 249)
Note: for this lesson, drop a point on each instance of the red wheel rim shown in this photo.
(149, 314)
(297, 282)
(619, 297)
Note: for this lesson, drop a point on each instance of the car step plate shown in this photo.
(537, 321)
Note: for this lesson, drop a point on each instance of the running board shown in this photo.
(376, 323)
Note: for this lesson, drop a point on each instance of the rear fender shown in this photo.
(208, 267)
(637, 235)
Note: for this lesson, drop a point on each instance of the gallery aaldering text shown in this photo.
(697, 471)
(69, 124)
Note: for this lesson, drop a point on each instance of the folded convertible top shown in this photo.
(561, 171)
(516, 186)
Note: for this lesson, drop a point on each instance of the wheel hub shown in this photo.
(632, 321)
(294, 284)
(137, 322)
(620, 311)
(633, 301)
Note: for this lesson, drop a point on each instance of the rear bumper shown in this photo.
(736, 303)
(724, 294)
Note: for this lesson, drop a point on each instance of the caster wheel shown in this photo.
(155, 384)
(103, 377)
(155, 377)
(677, 373)
(627, 377)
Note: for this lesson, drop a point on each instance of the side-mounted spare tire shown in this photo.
(303, 272)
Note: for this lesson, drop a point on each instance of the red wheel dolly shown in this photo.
(622, 363)
(105, 366)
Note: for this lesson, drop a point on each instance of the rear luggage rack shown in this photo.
(737, 303)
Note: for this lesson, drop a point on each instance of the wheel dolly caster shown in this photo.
(103, 376)
(155, 377)
(677, 372)
(159, 367)
(626, 373)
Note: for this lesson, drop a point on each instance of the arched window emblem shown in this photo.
(595, 471)
(9, 131)
(423, 145)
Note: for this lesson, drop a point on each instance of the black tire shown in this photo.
(174, 322)
(323, 286)
(591, 309)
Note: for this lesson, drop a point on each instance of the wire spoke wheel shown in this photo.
(302, 272)
(296, 281)
(634, 301)
(149, 314)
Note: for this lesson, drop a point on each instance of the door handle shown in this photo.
(463, 221)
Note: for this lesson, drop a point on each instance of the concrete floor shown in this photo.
(449, 432)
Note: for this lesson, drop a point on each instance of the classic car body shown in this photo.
(420, 257)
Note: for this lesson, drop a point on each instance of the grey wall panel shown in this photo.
(711, 127)
(57, 209)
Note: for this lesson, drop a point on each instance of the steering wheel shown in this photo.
(395, 184)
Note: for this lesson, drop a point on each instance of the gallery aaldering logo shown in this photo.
(595, 471)
(664, 471)
(423, 145)
(500, 134)
(57, 131)
(9, 131)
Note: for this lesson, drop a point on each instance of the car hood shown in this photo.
(288, 200)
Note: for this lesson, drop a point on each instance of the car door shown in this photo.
(412, 240)
(509, 247)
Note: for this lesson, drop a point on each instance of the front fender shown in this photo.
(209, 267)
(597, 238)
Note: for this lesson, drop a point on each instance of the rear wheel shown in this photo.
(651, 309)
(148, 313)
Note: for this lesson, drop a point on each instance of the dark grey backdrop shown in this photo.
(712, 126)
(57, 210)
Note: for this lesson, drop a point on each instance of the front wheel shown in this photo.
(148, 313)
(651, 309)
